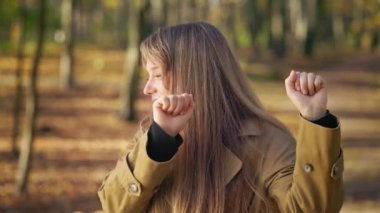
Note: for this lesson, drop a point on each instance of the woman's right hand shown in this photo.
(172, 112)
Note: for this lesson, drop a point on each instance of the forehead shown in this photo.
(152, 65)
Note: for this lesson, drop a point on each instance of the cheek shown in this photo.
(166, 84)
(162, 88)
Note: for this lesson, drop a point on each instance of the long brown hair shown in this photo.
(198, 60)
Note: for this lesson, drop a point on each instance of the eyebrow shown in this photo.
(154, 70)
(154, 67)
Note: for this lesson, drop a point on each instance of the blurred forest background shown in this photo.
(70, 88)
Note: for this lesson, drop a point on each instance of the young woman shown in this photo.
(211, 147)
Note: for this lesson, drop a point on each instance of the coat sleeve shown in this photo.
(312, 182)
(130, 186)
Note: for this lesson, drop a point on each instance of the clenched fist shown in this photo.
(308, 93)
(172, 112)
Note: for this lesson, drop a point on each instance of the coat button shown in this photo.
(133, 187)
(308, 168)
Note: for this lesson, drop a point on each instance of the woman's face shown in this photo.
(155, 85)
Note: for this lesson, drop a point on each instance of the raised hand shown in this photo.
(172, 112)
(308, 93)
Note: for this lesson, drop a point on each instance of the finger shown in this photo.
(180, 104)
(318, 83)
(310, 83)
(291, 80)
(165, 103)
(186, 103)
(303, 83)
(173, 103)
(297, 84)
(162, 103)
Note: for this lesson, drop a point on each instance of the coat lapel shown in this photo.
(233, 163)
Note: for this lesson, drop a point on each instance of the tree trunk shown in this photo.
(311, 14)
(19, 67)
(298, 25)
(201, 9)
(186, 10)
(121, 20)
(130, 83)
(173, 12)
(254, 25)
(237, 23)
(67, 55)
(337, 27)
(158, 16)
(222, 14)
(374, 40)
(277, 26)
(31, 109)
(358, 15)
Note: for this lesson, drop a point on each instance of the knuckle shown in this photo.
(171, 97)
(166, 101)
(172, 106)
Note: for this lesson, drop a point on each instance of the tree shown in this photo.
(240, 24)
(201, 9)
(67, 55)
(19, 66)
(131, 62)
(31, 108)
(375, 39)
(277, 26)
(157, 13)
(337, 22)
(173, 15)
(311, 33)
(120, 24)
(303, 18)
(298, 25)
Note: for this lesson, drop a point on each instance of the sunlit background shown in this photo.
(80, 54)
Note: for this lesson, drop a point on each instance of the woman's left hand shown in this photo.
(308, 93)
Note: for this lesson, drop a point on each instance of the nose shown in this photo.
(149, 88)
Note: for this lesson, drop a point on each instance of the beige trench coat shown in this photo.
(302, 176)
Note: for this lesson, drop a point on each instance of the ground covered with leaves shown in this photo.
(79, 134)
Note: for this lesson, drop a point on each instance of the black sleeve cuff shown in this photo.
(329, 121)
(161, 146)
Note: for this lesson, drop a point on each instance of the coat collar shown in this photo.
(249, 127)
(233, 163)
